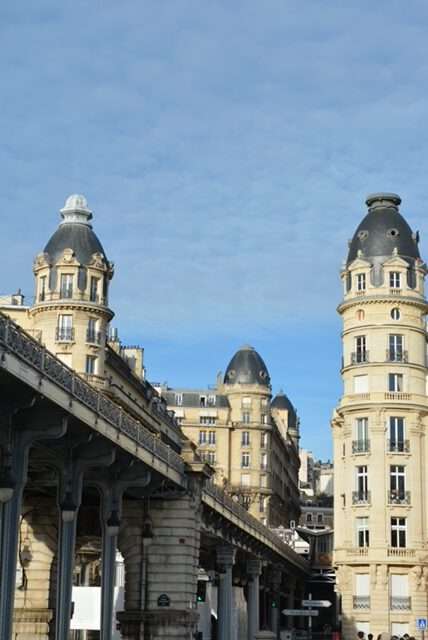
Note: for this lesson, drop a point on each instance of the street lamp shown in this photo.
(113, 523)
(68, 508)
(7, 485)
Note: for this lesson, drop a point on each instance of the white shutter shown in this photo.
(361, 384)
(399, 585)
(362, 584)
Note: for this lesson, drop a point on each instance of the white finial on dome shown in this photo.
(76, 210)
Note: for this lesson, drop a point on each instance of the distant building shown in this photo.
(249, 438)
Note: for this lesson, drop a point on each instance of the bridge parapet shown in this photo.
(18, 341)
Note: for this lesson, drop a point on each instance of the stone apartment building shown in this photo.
(379, 428)
(249, 438)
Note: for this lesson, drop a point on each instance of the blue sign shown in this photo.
(421, 624)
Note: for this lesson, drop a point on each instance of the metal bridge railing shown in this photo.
(19, 342)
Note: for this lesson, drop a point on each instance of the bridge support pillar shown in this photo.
(226, 560)
(275, 581)
(254, 569)
(291, 586)
(16, 443)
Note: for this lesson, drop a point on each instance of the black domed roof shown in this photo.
(247, 367)
(281, 401)
(79, 237)
(75, 233)
(383, 230)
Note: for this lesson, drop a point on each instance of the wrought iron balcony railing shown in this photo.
(64, 334)
(398, 446)
(396, 355)
(359, 357)
(360, 446)
(400, 603)
(361, 497)
(398, 497)
(93, 337)
(361, 602)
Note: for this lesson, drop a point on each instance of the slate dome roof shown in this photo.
(281, 401)
(383, 230)
(75, 233)
(247, 367)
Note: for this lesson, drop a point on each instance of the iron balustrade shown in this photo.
(361, 497)
(398, 446)
(400, 603)
(396, 355)
(64, 334)
(93, 337)
(31, 351)
(360, 446)
(398, 497)
(359, 357)
(361, 602)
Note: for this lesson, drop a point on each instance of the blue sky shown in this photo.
(226, 149)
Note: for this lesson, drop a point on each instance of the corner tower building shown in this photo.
(380, 447)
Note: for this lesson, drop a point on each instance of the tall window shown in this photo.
(246, 417)
(362, 482)
(397, 483)
(361, 282)
(394, 279)
(93, 289)
(245, 439)
(360, 349)
(398, 532)
(178, 399)
(202, 437)
(396, 434)
(211, 457)
(245, 480)
(91, 365)
(211, 437)
(263, 461)
(362, 435)
(262, 504)
(395, 382)
(245, 460)
(91, 333)
(42, 289)
(263, 418)
(395, 351)
(66, 285)
(362, 532)
(263, 440)
(64, 331)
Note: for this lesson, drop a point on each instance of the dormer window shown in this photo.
(361, 282)
(395, 279)
(66, 285)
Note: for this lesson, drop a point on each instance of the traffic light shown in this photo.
(274, 604)
(202, 591)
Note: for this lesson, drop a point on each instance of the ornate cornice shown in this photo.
(357, 301)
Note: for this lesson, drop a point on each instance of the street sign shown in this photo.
(421, 624)
(316, 603)
(299, 612)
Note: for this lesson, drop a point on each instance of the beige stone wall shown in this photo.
(368, 313)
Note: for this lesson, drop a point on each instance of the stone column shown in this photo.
(172, 569)
(254, 569)
(37, 549)
(225, 560)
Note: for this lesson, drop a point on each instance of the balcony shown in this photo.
(401, 552)
(361, 602)
(93, 337)
(397, 395)
(359, 357)
(400, 603)
(66, 293)
(396, 355)
(398, 446)
(399, 497)
(361, 497)
(64, 334)
(395, 292)
(360, 446)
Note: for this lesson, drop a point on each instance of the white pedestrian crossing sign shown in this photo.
(421, 624)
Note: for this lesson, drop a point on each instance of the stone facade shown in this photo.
(379, 428)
